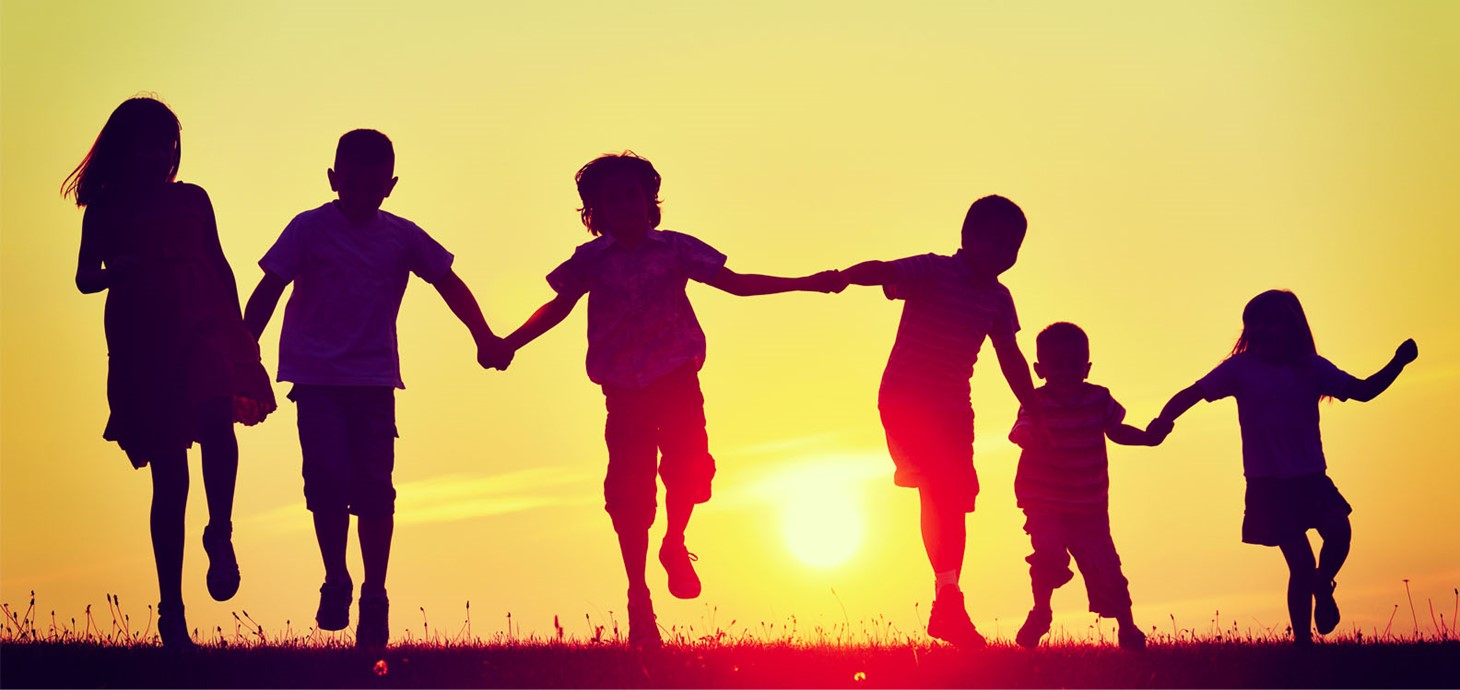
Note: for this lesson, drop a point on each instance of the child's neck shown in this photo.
(356, 215)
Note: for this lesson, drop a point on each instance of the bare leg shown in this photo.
(678, 513)
(375, 535)
(169, 507)
(945, 533)
(1336, 539)
(220, 460)
(332, 530)
(1299, 555)
(633, 545)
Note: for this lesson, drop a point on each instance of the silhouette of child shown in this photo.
(1277, 377)
(952, 303)
(1063, 485)
(645, 348)
(350, 262)
(181, 366)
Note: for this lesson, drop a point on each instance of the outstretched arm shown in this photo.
(1371, 387)
(491, 354)
(869, 273)
(542, 320)
(1127, 435)
(751, 284)
(262, 302)
(1177, 406)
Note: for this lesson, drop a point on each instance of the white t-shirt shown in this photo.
(339, 324)
(1277, 407)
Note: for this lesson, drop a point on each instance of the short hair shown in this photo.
(591, 178)
(364, 147)
(993, 214)
(1061, 333)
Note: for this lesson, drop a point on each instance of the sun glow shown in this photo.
(822, 518)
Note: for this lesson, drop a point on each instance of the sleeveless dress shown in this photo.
(175, 334)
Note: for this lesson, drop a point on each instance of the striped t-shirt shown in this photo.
(945, 318)
(1071, 473)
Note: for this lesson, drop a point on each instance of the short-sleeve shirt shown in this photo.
(339, 324)
(1277, 406)
(1072, 471)
(640, 322)
(945, 318)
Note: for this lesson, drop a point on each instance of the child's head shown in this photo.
(620, 192)
(993, 230)
(1062, 352)
(364, 172)
(140, 143)
(1275, 328)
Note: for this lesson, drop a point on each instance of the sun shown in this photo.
(822, 518)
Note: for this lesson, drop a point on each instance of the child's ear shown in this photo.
(391, 187)
(330, 172)
(1039, 370)
(1087, 369)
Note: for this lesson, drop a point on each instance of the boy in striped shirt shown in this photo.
(951, 305)
(1063, 484)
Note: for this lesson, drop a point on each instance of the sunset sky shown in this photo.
(1173, 159)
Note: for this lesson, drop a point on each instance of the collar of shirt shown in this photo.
(651, 234)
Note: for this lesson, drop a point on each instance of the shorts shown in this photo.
(347, 437)
(1280, 509)
(658, 430)
(932, 448)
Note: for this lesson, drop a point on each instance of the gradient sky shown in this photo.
(1173, 159)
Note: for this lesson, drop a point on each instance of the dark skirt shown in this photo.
(1280, 509)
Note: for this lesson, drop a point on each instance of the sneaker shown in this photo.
(683, 582)
(1325, 609)
(1131, 638)
(948, 621)
(643, 626)
(1036, 625)
(222, 563)
(334, 605)
(172, 627)
(374, 628)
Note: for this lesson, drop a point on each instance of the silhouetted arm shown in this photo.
(1162, 425)
(1127, 435)
(1016, 369)
(870, 273)
(91, 276)
(543, 320)
(491, 354)
(752, 284)
(1370, 388)
(262, 302)
(214, 247)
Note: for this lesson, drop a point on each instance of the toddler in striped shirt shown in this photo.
(1063, 484)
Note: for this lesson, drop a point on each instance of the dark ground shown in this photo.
(1196, 665)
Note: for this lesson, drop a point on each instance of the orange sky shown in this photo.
(1173, 160)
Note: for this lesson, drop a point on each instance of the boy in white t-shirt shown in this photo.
(350, 262)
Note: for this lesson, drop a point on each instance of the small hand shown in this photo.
(1406, 352)
(495, 354)
(248, 411)
(1158, 430)
(832, 281)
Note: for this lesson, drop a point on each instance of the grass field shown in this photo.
(121, 652)
(1196, 665)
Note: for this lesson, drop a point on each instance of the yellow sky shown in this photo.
(1174, 159)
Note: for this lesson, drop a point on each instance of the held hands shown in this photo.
(1406, 352)
(495, 353)
(1158, 430)
(832, 281)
